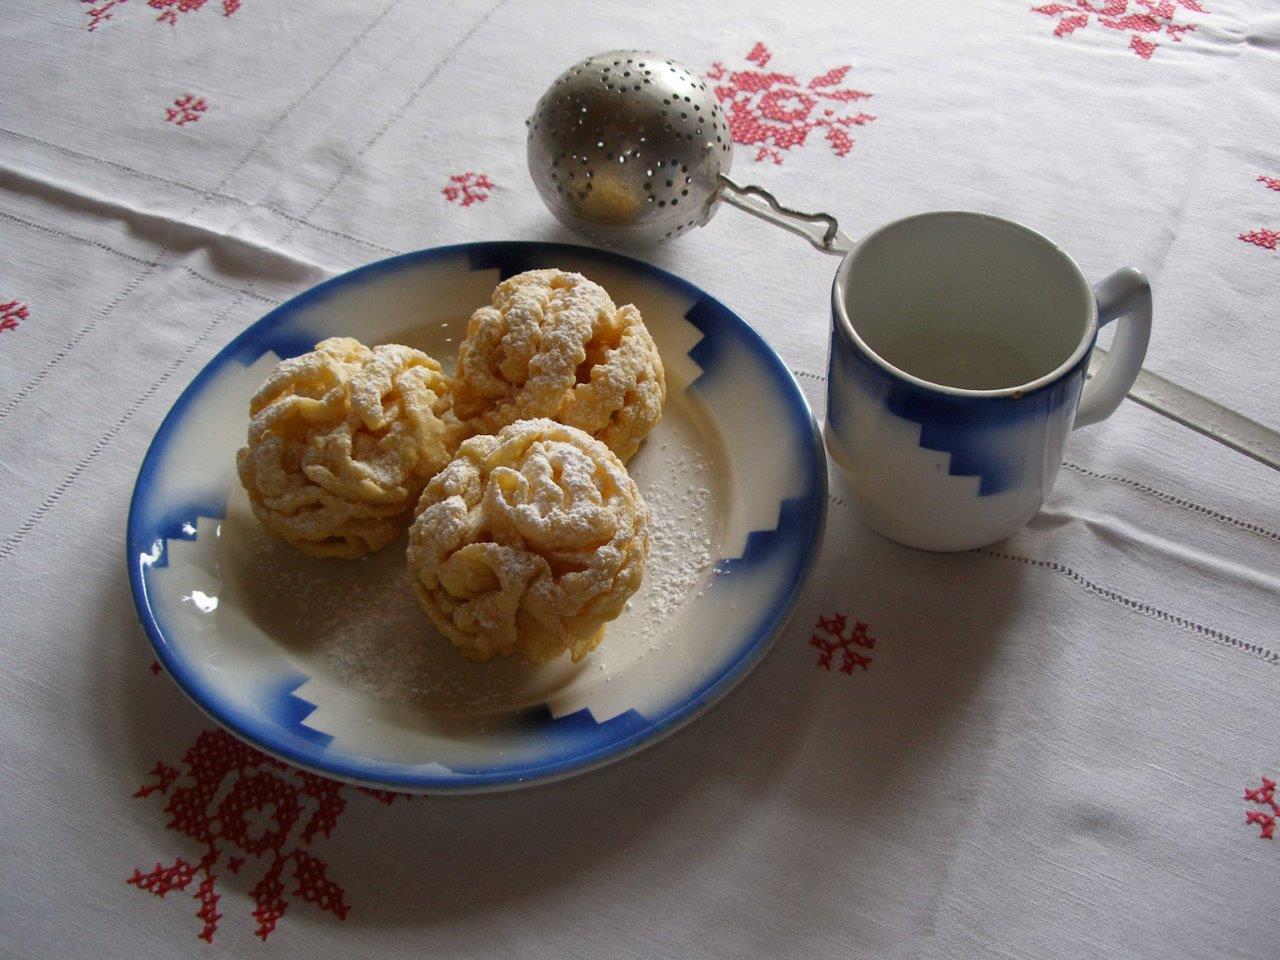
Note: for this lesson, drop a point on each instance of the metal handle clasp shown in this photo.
(820, 229)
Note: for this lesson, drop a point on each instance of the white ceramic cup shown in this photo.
(959, 348)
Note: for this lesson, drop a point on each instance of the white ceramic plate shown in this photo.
(329, 664)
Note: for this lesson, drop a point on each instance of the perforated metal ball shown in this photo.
(626, 148)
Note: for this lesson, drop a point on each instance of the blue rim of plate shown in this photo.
(808, 511)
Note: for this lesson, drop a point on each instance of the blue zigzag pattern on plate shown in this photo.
(512, 258)
(179, 524)
(287, 710)
(578, 731)
(279, 339)
(795, 528)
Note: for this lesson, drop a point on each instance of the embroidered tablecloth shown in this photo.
(1062, 746)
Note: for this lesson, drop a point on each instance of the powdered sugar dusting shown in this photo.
(359, 621)
(680, 536)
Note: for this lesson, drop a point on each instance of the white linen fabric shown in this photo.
(1046, 751)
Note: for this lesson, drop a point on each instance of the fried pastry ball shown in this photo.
(528, 542)
(341, 442)
(552, 344)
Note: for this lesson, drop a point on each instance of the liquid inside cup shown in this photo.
(967, 301)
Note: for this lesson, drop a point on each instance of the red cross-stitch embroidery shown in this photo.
(13, 313)
(164, 774)
(1143, 48)
(831, 639)
(1262, 237)
(232, 799)
(468, 188)
(186, 109)
(103, 11)
(1265, 820)
(775, 112)
(170, 10)
(387, 797)
(1142, 17)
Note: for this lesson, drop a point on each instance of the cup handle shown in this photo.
(1126, 295)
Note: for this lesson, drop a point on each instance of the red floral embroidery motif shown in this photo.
(1265, 820)
(13, 313)
(101, 12)
(1262, 237)
(775, 113)
(1143, 17)
(468, 188)
(186, 109)
(172, 9)
(835, 640)
(233, 799)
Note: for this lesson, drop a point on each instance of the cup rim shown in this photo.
(840, 311)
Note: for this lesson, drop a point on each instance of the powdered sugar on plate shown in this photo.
(358, 622)
(680, 538)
